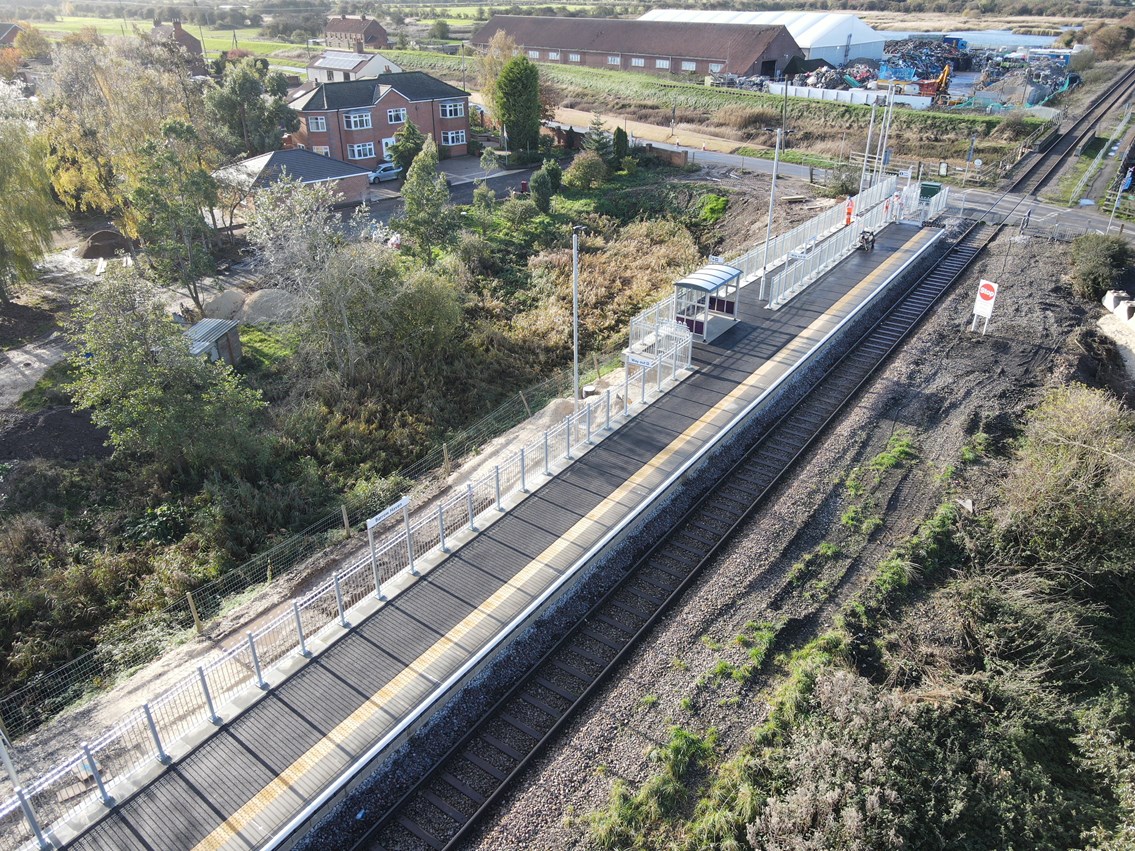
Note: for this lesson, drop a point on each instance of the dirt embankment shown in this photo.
(944, 386)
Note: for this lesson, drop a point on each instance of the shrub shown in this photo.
(586, 172)
(1098, 262)
(540, 185)
(555, 174)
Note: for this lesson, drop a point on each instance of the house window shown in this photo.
(302, 147)
(453, 137)
(452, 110)
(396, 116)
(715, 67)
(317, 124)
(689, 66)
(533, 54)
(613, 60)
(573, 57)
(322, 150)
(662, 63)
(357, 120)
(554, 55)
(637, 62)
(364, 151)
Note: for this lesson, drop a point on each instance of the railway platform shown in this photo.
(262, 770)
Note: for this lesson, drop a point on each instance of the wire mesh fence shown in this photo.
(26, 708)
(145, 735)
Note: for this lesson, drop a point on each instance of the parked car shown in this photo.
(386, 171)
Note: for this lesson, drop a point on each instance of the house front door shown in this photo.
(386, 145)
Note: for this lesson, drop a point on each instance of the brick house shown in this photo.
(8, 33)
(656, 47)
(356, 121)
(350, 181)
(176, 32)
(354, 34)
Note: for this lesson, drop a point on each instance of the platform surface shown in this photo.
(257, 771)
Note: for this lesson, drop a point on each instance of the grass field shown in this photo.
(215, 39)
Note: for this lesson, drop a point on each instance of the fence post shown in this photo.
(26, 806)
(163, 757)
(95, 773)
(608, 426)
(213, 717)
(441, 527)
(525, 401)
(339, 603)
(409, 537)
(547, 471)
(469, 503)
(299, 628)
(445, 468)
(346, 519)
(523, 472)
(567, 437)
(256, 662)
(193, 611)
(497, 485)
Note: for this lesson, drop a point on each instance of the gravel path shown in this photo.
(944, 385)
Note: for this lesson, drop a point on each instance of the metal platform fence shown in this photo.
(135, 644)
(776, 251)
(82, 786)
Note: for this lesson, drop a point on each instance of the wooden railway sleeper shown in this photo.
(584, 653)
(421, 833)
(521, 726)
(445, 807)
(595, 635)
(484, 765)
(534, 701)
(504, 747)
(463, 789)
(560, 690)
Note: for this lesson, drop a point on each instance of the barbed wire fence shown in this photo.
(141, 641)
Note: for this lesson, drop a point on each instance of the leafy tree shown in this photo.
(500, 49)
(407, 145)
(598, 140)
(293, 231)
(135, 373)
(168, 205)
(540, 185)
(439, 29)
(621, 147)
(517, 103)
(586, 172)
(1107, 42)
(10, 60)
(248, 109)
(555, 174)
(31, 43)
(426, 216)
(29, 212)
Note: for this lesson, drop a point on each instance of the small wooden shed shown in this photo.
(218, 339)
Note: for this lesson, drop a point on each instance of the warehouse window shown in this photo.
(553, 55)
(533, 54)
(573, 57)
(613, 60)
(638, 62)
(715, 67)
(662, 63)
(689, 66)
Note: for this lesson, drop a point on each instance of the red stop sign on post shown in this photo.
(983, 304)
(987, 291)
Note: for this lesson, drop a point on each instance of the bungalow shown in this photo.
(656, 47)
(349, 181)
(355, 34)
(176, 32)
(332, 65)
(356, 120)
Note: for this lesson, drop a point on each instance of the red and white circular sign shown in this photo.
(987, 291)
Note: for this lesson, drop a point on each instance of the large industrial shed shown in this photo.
(835, 37)
(654, 47)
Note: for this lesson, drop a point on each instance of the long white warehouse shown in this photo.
(835, 37)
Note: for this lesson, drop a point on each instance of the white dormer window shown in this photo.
(357, 120)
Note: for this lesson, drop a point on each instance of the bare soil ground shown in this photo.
(944, 385)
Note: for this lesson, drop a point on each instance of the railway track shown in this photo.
(441, 810)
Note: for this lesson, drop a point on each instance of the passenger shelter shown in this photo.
(706, 301)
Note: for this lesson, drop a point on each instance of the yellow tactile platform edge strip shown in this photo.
(326, 746)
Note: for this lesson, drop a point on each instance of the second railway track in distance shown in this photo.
(441, 810)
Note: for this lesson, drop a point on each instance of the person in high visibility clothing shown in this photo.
(850, 209)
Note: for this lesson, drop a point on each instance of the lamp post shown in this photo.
(576, 230)
(771, 203)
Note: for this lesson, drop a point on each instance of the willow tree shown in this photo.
(29, 212)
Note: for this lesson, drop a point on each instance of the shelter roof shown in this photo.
(205, 333)
(711, 278)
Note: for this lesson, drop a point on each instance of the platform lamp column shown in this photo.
(575, 232)
(771, 203)
(867, 147)
(1123, 187)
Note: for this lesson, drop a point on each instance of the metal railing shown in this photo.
(807, 266)
(83, 784)
(765, 257)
